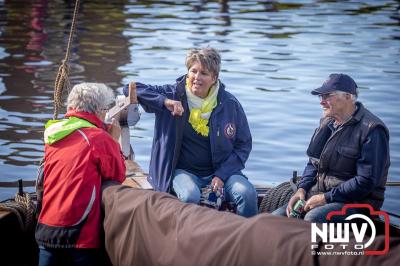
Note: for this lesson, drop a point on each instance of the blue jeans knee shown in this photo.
(240, 191)
(186, 186)
(318, 214)
(281, 211)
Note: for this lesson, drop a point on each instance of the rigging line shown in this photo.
(62, 79)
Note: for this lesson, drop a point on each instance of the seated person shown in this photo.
(201, 135)
(348, 155)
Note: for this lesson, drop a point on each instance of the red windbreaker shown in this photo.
(74, 169)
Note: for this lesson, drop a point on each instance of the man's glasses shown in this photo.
(324, 97)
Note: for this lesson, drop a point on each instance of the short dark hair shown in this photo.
(208, 57)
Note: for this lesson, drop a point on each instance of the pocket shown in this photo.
(348, 151)
(346, 161)
(223, 144)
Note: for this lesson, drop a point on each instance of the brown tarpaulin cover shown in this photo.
(152, 228)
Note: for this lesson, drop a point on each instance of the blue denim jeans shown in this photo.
(237, 189)
(68, 256)
(318, 214)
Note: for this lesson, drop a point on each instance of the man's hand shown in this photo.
(315, 201)
(114, 129)
(217, 183)
(175, 107)
(299, 195)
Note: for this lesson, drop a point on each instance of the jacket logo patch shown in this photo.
(230, 130)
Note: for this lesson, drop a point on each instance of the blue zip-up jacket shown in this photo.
(230, 137)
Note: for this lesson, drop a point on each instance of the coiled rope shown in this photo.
(62, 79)
(23, 208)
(276, 197)
(279, 195)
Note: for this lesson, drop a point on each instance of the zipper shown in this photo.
(211, 126)
(334, 133)
(319, 166)
(211, 138)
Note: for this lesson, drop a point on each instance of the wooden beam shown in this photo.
(121, 106)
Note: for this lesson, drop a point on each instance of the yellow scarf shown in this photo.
(200, 109)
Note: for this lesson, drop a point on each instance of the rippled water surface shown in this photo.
(274, 53)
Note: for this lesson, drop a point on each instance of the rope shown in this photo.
(279, 195)
(62, 79)
(23, 208)
(15, 208)
(276, 197)
(26, 201)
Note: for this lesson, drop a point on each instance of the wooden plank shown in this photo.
(138, 182)
(393, 183)
(4, 214)
(133, 169)
(142, 181)
(131, 183)
(120, 107)
(25, 183)
(135, 177)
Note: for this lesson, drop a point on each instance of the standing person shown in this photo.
(80, 152)
(348, 155)
(201, 135)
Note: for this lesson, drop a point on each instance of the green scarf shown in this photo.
(200, 109)
(56, 130)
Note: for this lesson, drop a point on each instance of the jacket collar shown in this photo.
(180, 88)
(181, 83)
(355, 117)
(359, 113)
(90, 117)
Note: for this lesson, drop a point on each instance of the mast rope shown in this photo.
(62, 79)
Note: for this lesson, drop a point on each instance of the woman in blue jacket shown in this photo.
(201, 135)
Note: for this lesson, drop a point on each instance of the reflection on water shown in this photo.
(274, 53)
(33, 40)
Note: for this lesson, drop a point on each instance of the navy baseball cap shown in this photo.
(337, 82)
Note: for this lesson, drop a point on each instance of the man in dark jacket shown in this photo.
(348, 155)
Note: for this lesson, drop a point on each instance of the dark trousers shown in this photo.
(68, 256)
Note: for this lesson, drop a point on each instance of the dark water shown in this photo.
(273, 54)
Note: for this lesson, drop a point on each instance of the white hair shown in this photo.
(90, 97)
(353, 97)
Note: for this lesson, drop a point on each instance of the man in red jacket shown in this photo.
(80, 152)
